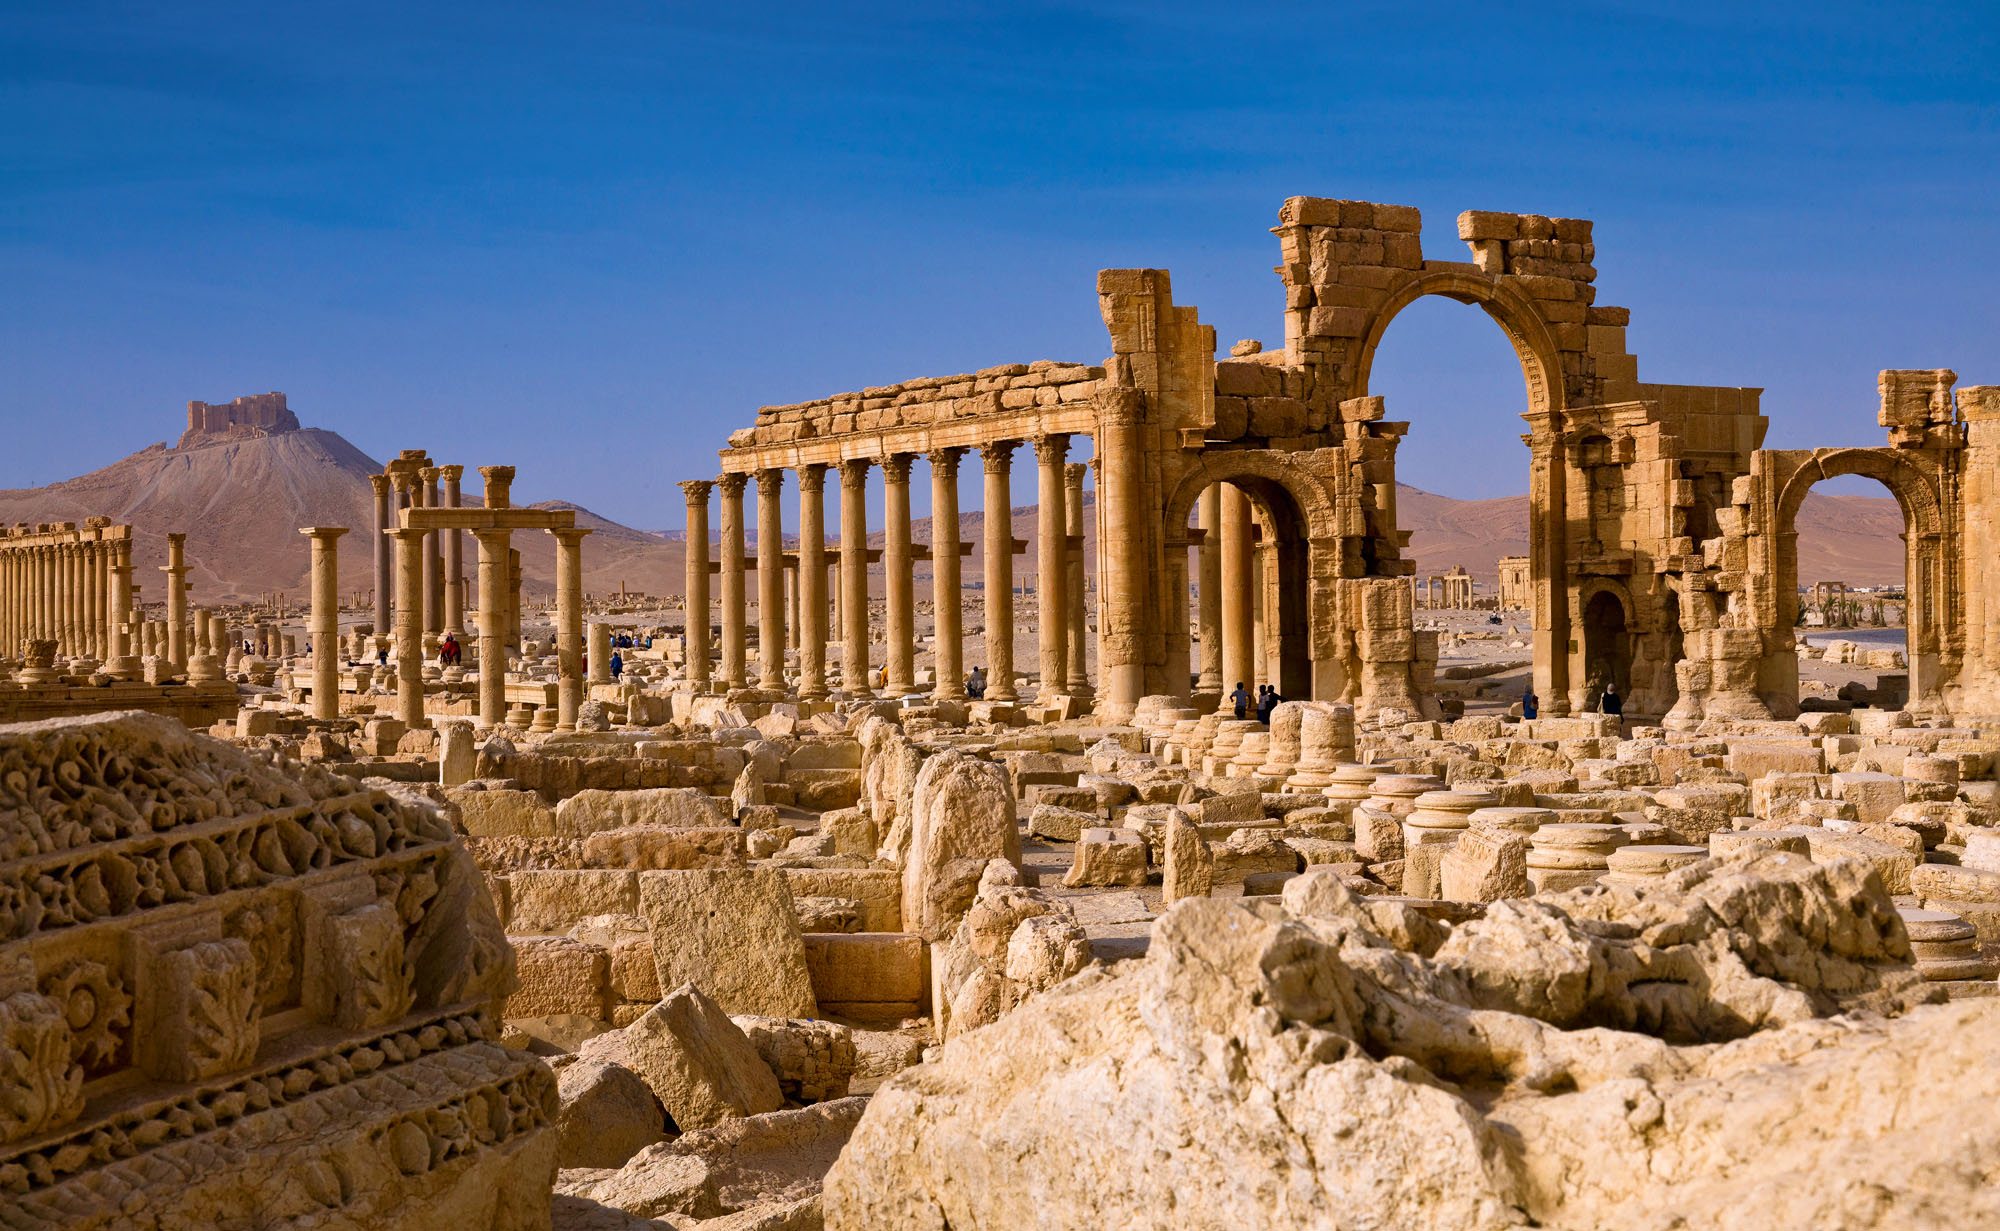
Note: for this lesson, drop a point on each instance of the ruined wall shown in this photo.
(258, 414)
(234, 994)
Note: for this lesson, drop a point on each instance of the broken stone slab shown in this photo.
(697, 1062)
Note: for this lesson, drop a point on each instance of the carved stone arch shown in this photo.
(1926, 527)
(1913, 488)
(1526, 329)
(1257, 471)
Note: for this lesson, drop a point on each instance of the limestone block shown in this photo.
(1485, 866)
(1108, 857)
(1189, 864)
(589, 811)
(550, 901)
(1045, 950)
(1247, 852)
(1755, 760)
(659, 847)
(828, 914)
(1894, 864)
(853, 831)
(964, 817)
(607, 1114)
(731, 932)
(697, 1062)
(1060, 824)
(869, 975)
(878, 890)
(488, 813)
(814, 1061)
(1873, 796)
(560, 976)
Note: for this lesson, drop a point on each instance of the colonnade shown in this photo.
(1059, 577)
(412, 481)
(73, 585)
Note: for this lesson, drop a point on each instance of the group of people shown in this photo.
(1608, 702)
(1259, 706)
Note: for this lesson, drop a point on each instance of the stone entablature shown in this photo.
(270, 988)
(935, 405)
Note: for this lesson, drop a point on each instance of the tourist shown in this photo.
(975, 683)
(1611, 703)
(1268, 702)
(1531, 705)
(1241, 699)
(617, 666)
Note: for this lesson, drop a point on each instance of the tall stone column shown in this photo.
(999, 517)
(1179, 669)
(122, 663)
(1238, 594)
(897, 570)
(569, 625)
(454, 556)
(325, 619)
(425, 496)
(50, 628)
(410, 630)
(96, 578)
(854, 576)
(770, 581)
(698, 648)
(1208, 615)
(1051, 563)
(177, 600)
(1073, 616)
(947, 595)
(733, 606)
(515, 645)
(385, 577)
(494, 547)
(812, 582)
(66, 599)
(1127, 579)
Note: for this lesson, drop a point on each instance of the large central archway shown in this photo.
(1528, 332)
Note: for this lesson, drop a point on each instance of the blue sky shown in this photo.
(600, 235)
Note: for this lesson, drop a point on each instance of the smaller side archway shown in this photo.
(1929, 544)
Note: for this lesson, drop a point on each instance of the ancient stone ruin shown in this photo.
(822, 895)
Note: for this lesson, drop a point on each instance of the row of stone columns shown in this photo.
(411, 481)
(70, 586)
(1059, 562)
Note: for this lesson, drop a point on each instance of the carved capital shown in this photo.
(732, 485)
(770, 482)
(697, 491)
(998, 455)
(945, 460)
(1052, 449)
(896, 468)
(854, 473)
(812, 479)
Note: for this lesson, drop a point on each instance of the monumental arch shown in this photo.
(1276, 469)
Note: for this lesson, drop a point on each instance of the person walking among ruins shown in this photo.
(975, 684)
(617, 666)
(1241, 699)
(1268, 702)
(1610, 702)
(1531, 705)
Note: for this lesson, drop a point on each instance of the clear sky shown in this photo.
(590, 239)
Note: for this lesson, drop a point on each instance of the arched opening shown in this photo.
(1249, 579)
(1607, 649)
(1854, 588)
(1452, 371)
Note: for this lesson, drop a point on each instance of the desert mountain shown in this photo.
(240, 488)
